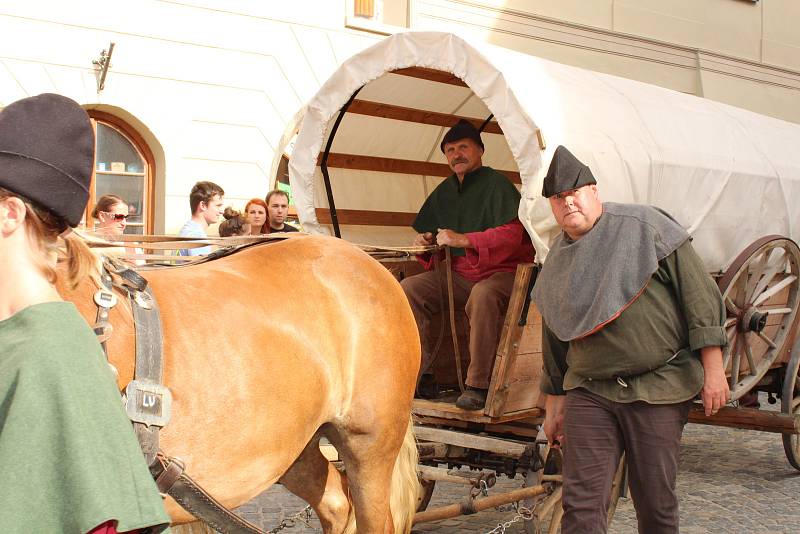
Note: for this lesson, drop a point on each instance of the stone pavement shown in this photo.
(730, 481)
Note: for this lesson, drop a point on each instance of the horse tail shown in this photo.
(405, 488)
(405, 483)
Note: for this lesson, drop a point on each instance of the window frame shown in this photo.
(143, 149)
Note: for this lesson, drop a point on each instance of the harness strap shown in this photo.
(148, 371)
(148, 404)
(177, 484)
(104, 298)
(452, 312)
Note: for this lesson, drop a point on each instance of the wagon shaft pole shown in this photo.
(470, 506)
(748, 419)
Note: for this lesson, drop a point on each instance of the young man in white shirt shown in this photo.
(205, 201)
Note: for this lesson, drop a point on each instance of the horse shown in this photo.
(270, 348)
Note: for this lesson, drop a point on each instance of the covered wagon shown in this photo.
(366, 155)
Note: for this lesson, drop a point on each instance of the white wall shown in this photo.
(214, 87)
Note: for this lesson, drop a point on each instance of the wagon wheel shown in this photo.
(760, 291)
(790, 404)
(551, 506)
(426, 492)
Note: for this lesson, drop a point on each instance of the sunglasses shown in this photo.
(117, 216)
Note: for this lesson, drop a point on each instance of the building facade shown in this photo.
(213, 90)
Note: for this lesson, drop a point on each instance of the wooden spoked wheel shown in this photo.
(760, 291)
(790, 404)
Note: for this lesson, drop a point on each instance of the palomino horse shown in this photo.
(270, 348)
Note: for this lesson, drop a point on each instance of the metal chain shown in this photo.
(304, 516)
(523, 514)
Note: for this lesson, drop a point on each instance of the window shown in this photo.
(123, 167)
(379, 16)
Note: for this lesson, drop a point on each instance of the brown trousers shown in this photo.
(596, 431)
(485, 304)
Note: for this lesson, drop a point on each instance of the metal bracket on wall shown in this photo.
(101, 66)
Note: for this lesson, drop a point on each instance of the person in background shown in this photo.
(256, 213)
(205, 201)
(111, 213)
(69, 459)
(277, 211)
(235, 224)
(631, 332)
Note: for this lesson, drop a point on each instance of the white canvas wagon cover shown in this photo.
(728, 175)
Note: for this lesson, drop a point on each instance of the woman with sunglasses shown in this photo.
(69, 459)
(111, 213)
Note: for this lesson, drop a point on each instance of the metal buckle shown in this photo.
(142, 299)
(105, 298)
(148, 403)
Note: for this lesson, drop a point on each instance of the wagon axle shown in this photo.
(752, 320)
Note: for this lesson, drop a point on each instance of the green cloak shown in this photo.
(486, 199)
(68, 456)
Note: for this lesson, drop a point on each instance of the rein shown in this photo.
(385, 252)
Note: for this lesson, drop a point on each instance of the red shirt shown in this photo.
(495, 250)
(110, 527)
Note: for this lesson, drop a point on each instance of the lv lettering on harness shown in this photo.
(148, 403)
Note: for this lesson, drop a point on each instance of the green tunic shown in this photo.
(486, 199)
(650, 352)
(68, 457)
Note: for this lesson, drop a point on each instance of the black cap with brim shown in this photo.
(566, 172)
(463, 129)
(47, 154)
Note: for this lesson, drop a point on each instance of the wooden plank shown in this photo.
(502, 447)
(432, 75)
(397, 166)
(524, 379)
(450, 412)
(420, 116)
(509, 343)
(526, 428)
(747, 419)
(531, 340)
(367, 217)
(427, 472)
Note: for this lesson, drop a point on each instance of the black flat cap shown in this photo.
(47, 153)
(566, 172)
(463, 129)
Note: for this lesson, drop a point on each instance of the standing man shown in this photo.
(474, 211)
(277, 210)
(631, 332)
(205, 200)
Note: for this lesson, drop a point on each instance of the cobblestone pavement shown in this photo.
(730, 481)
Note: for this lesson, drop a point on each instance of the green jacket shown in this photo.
(650, 352)
(486, 199)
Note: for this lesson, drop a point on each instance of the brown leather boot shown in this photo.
(472, 399)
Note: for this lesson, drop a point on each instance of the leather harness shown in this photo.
(148, 401)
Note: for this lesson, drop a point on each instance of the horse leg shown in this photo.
(381, 468)
(315, 480)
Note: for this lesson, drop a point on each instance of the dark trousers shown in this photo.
(596, 432)
(485, 304)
